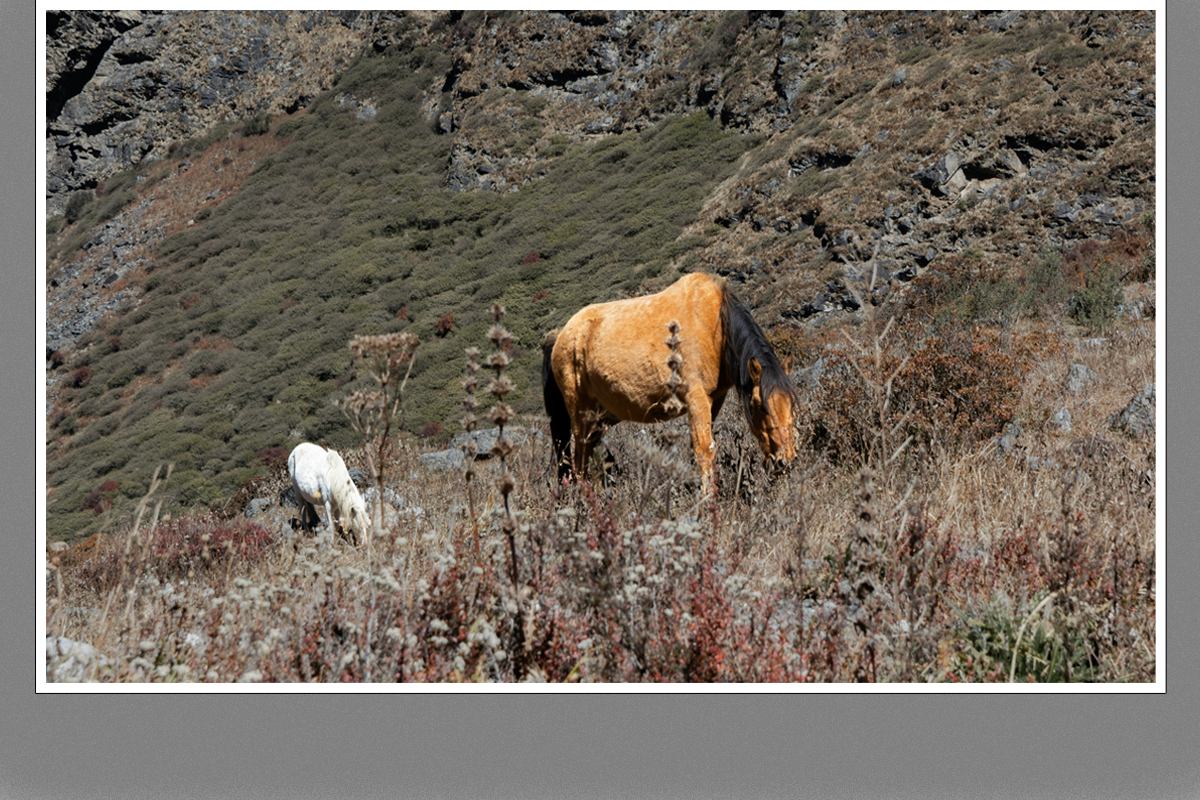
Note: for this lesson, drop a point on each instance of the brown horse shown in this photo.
(609, 363)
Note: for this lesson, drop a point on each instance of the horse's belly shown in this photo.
(635, 405)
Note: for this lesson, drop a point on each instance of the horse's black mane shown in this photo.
(744, 340)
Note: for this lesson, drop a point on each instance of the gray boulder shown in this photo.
(390, 497)
(485, 440)
(1137, 418)
(443, 460)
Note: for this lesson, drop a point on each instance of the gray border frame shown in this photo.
(552, 746)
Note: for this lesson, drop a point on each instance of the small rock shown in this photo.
(1062, 418)
(390, 497)
(810, 377)
(1078, 377)
(1007, 441)
(1069, 212)
(69, 661)
(257, 506)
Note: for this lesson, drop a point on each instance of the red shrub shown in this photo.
(100, 499)
(445, 324)
(81, 376)
(177, 547)
(431, 429)
(57, 359)
(272, 456)
(203, 541)
(540, 294)
(532, 257)
(402, 313)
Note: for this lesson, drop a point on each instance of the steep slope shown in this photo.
(200, 303)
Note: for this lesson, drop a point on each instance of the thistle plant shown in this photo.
(501, 413)
(863, 577)
(469, 447)
(674, 404)
(374, 412)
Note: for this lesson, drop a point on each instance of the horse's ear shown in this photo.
(755, 369)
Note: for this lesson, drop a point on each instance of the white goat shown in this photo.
(320, 476)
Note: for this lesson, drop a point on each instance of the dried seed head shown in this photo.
(500, 386)
(503, 448)
(396, 347)
(502, 413)
(500, 337)
(674, 406)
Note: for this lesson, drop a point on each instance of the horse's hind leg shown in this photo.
(585, 440)
(308, 516)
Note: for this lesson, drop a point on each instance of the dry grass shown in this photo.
(935, 564)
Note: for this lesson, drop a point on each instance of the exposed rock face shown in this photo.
(121, 86)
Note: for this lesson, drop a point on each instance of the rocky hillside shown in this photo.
(121, 86)
(233, 195)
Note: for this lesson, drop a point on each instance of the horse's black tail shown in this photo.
(556, 408)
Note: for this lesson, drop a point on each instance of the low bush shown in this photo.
(950, 388)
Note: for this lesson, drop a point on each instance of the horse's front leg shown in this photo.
(699, 408)
(329, 517)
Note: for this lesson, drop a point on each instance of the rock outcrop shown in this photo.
(122, 86)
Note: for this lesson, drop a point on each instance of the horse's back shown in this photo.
(616, 352)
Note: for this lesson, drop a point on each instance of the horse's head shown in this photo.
(359, 519)
(771, 421)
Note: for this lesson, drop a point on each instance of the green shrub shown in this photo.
(256, 125)
(1044, 282)
(914, 54)
(1096, 305)
(76, 204)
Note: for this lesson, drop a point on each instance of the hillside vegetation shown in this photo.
(943, 221)
(238, 342)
